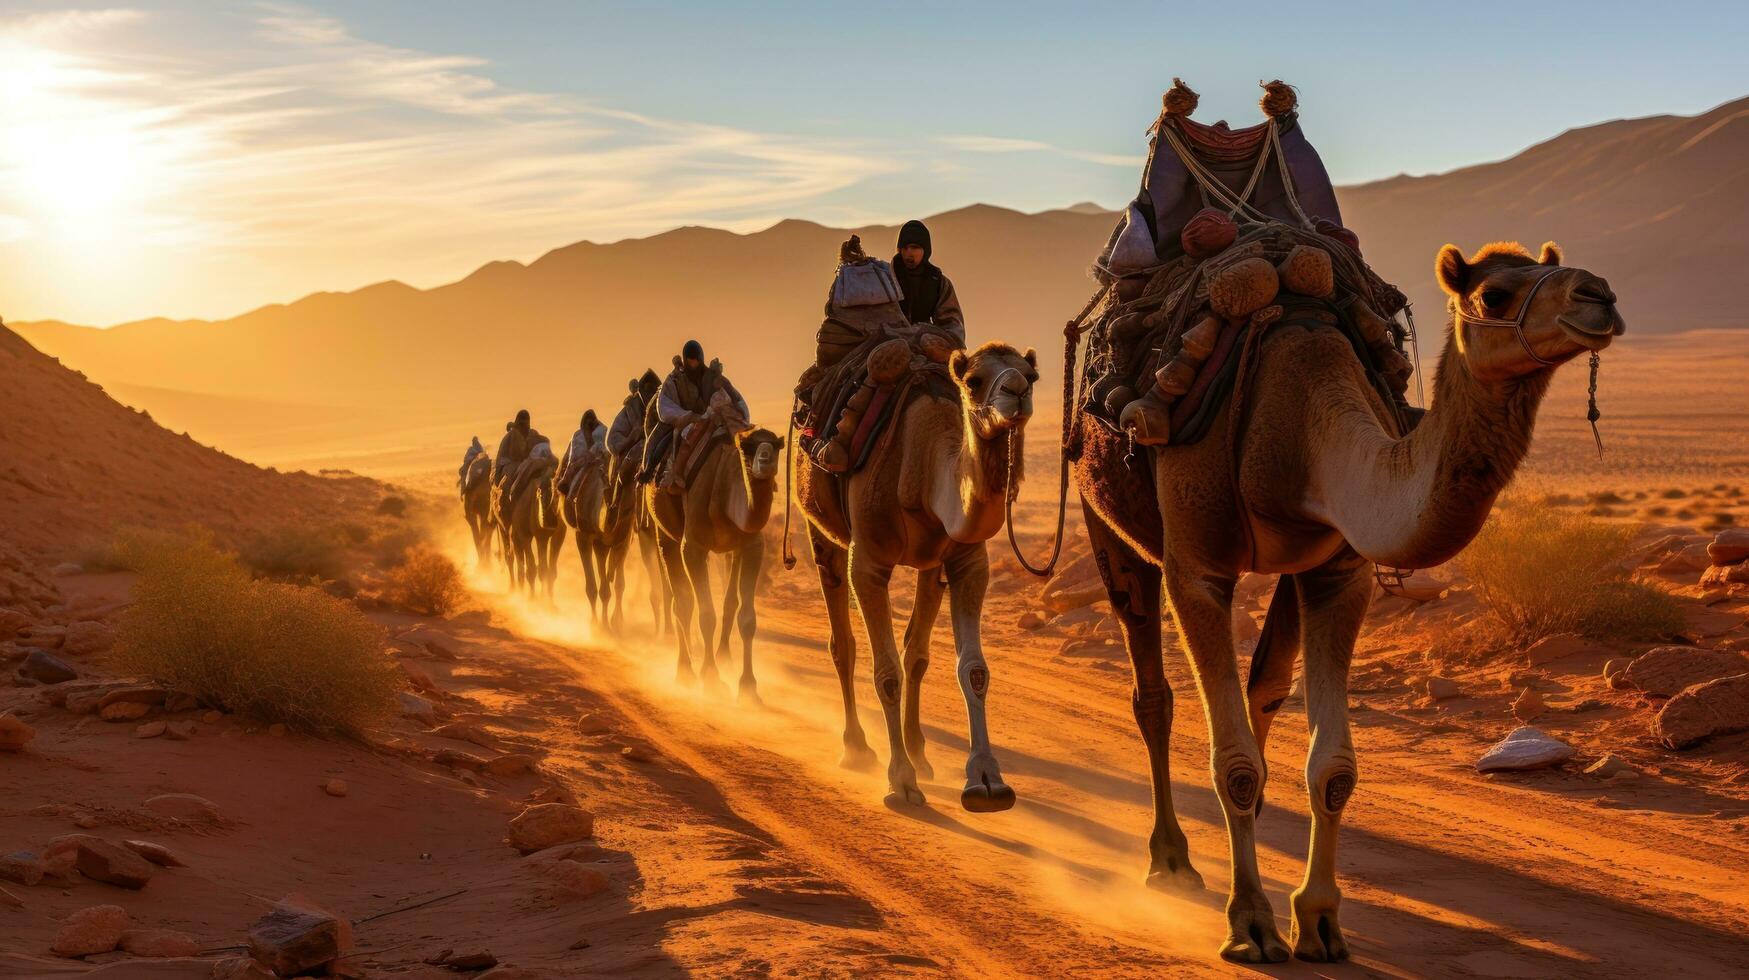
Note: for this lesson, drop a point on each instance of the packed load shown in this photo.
(1235, 233)
(866, 352)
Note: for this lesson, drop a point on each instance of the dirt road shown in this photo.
(1445, 872)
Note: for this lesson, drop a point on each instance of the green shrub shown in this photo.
(426, 583)
(266, 650)
(1539, 572)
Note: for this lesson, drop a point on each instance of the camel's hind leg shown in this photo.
(1202, 606)
(731, 604)
(872, 582)
(917, 633)
(748, 561)
(1133, 584)
(1271, 677)
(585, 549)
(698, 580)
(675, 576)
(832, 563)
(1333, 604)
(661, 593)
(968, 577)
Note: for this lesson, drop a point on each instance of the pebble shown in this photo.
(46, 668)
(151, 729)
(1609, 765)
(547, 824)
(124, 711)
(97, 929)
(156, 853)
(184, 806)
(1525, 748)
(334, 787)
(1529, 705)
(1442, 688)
(14, 733)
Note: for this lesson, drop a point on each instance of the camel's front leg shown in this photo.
(832, 562)
(871, 582)
(731, 604)
(1202, 605)
(584, 547)
(917, 633)
(747, 564)
(1133, 584)
(968, 577)
(698, 576)
(675, 577)
(1333, 605)
(661, 603)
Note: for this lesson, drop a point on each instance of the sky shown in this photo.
(188, 159)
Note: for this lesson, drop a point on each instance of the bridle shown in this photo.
(1517, 320)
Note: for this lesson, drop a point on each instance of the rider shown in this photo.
(929, 295)
(474, 450)
(519, 441)
(587, 445)
(626, 435)
(685, 399)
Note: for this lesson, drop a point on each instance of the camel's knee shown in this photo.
(974, 676)
(886, 677)
(1239, 780)
(1330, 781)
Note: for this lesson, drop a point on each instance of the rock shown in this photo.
(92, 930)
(334, 787)
(46, 668)
(1705, 622)
(1442, 688)
(179, 701)
(510, 766)
(186, 807)
(634, 753)
(1529, 706)
(151, 729)
(462, 731)
(417, 708)
(159, 943)
(1558, 647)
(180, 731)
(1717, 707)
(1729, 547)
(1685, 560)
(1608, 766)
(158, 854)
(1614, 674)
(1030, 620)
(290, 940)
(1525, 748)
(22, 867)
(147, 694)
(417, 677)
(112, 864)
(465, 962)
(240, 968)
(590, 723)
(67, 845)
(1663, 671)
(547, 824)
(87, 637)
(13, 622)
(14, 733)
(124, 711)
(1724, 576)
(85, 820)
(459, 760)
(581, 851)
(580, 880)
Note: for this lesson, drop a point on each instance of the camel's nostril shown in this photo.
(1594, 290)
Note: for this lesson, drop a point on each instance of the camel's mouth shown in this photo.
(1592, 325)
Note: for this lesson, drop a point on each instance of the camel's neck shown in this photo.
(749, 503)
(970, 480)
(1416, 502)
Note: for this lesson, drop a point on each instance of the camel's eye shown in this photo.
(1495, 299)
(975, 382)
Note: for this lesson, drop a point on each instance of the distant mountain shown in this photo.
(1656, 205)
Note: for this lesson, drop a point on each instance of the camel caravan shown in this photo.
(1242, 407)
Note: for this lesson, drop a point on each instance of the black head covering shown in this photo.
(589, 418)
(693, 351)
(522, 420)
(915, 233)
(649, 383)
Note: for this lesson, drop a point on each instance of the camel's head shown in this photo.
(995, 386)
(1517, 314)
(759, 452)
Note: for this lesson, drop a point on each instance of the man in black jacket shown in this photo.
(929, 295)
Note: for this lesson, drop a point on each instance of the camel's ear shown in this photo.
(1452, 271)
(1031, 357)
(956, 365)
(1551, 254)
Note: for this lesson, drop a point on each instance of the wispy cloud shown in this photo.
(1004, 144)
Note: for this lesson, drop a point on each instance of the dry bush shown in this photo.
(1539, 572)
(427, 583)
(266, 650)
(297, 554)
(393, 506)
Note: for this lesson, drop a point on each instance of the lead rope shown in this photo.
(1072, 332)
(789, 468)
(1591, 412)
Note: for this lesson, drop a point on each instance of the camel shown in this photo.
(1310, 483)
(723, 510)
(537, 532)
(929, 502)
(476, 494)
(585, 510)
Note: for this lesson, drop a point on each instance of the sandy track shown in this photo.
(1446, 873)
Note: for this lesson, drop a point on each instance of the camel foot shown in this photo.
(987, 797)
(748, 695)
(1317, 935)
(902, 781)
(712, 686)
(1182, 880)
(1251, 933)
(683, 674)
(858, 758)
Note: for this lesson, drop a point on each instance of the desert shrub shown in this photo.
(427, 583)
(1538, 572)
(393, 544)
(392, 506)
(267, 650)
(296, 554)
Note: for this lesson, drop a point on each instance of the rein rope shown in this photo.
(1072, 332)
(789, 468)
